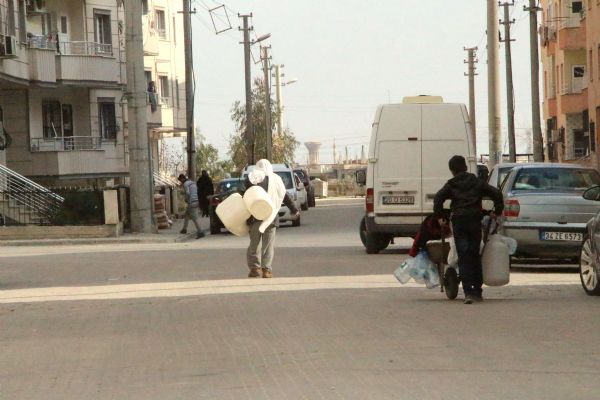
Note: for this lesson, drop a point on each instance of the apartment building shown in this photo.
(570, 52)
(63, 82)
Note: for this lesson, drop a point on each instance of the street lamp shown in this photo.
(278, 85)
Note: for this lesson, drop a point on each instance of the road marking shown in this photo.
(237, 286)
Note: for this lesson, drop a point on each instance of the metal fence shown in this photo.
(67, 143)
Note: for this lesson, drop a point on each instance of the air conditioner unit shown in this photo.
(36, 6)
(8, 47)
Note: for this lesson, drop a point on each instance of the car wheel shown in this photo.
(588, 271)
(304, 206)
(214, 230)
(296, 222)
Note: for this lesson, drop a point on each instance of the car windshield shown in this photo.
(286, 177)
(226, 186)
(560, 179)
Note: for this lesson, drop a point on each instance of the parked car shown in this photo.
(544, 209)
(499, 172)
(223, 190)
(310, 189)
(589, 270)
(286, 174)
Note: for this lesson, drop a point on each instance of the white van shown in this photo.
(292, 186)
(410, 146)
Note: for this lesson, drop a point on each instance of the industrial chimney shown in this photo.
(313, 152)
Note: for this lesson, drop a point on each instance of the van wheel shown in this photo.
(296, 222)
(362, 231)
(304, 207)
(376, 242)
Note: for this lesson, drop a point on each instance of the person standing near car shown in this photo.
(263, 232)
(466, 192)
(205, 189)
(191, 212)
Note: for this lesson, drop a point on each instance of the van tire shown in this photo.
(296, 222)
(375, 242)
(304, 207)
(362, 231)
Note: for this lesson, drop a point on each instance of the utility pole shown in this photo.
(510, 91)
(268, 127)
(493, 84)
(189, 89)
(538, 142)
(140, 168)
(278, 98)
(249, 134)
(471, 60)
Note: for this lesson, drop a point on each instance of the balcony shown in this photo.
(77, 61)
(572, 37)
(77, 155)
(573, 101)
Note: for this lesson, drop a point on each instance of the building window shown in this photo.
(163, 83)
(102, 29)
(47, 24)
(577, 7)
(591, 63)
(64, 29)
(51, 119)
(107, 119)
(22, 22)
(145, 7)
(67, 119)
(177, 91)
(10, 18)
(161, 24)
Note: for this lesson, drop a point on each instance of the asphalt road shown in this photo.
(181, 321)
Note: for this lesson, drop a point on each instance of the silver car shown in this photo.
(544, 209)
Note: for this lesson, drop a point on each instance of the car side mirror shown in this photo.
(592, 193)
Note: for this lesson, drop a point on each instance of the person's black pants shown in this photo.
(467, 237)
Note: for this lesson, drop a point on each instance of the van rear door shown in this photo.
(397, 185)
(445, 133)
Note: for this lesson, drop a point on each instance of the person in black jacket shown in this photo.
(466, 191)
(205, 189)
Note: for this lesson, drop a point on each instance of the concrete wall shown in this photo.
(33, 232)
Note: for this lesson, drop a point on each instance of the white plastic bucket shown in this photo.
(234, 214)
(495, 262)
(259, 203)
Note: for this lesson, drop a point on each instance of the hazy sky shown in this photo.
(349, 56)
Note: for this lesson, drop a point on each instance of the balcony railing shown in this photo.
(74, 48)
(68, 143)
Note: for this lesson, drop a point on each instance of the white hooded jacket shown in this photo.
(276, 189)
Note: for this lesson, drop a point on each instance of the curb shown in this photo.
(91, 241)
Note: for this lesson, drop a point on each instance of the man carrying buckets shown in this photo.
(264, 230)
(466, 191)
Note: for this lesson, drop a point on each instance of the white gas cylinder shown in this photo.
(495, 262)
(234, 214)
(259, 203)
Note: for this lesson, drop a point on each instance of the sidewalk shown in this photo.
(163, 236)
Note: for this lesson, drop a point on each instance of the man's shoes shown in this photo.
(267, 273)
(254, 273)
(183, 231)
(468, 299)
(200, 235)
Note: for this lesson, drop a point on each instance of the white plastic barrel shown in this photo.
(258, 202)
(495, 262)
(234, 214)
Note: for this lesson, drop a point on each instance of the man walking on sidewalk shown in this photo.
(466, 191)
(191, 212)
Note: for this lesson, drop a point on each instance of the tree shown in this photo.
(207, 158)
(284, 145)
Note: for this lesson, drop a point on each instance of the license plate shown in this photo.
(398, 199)
(563, 236)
